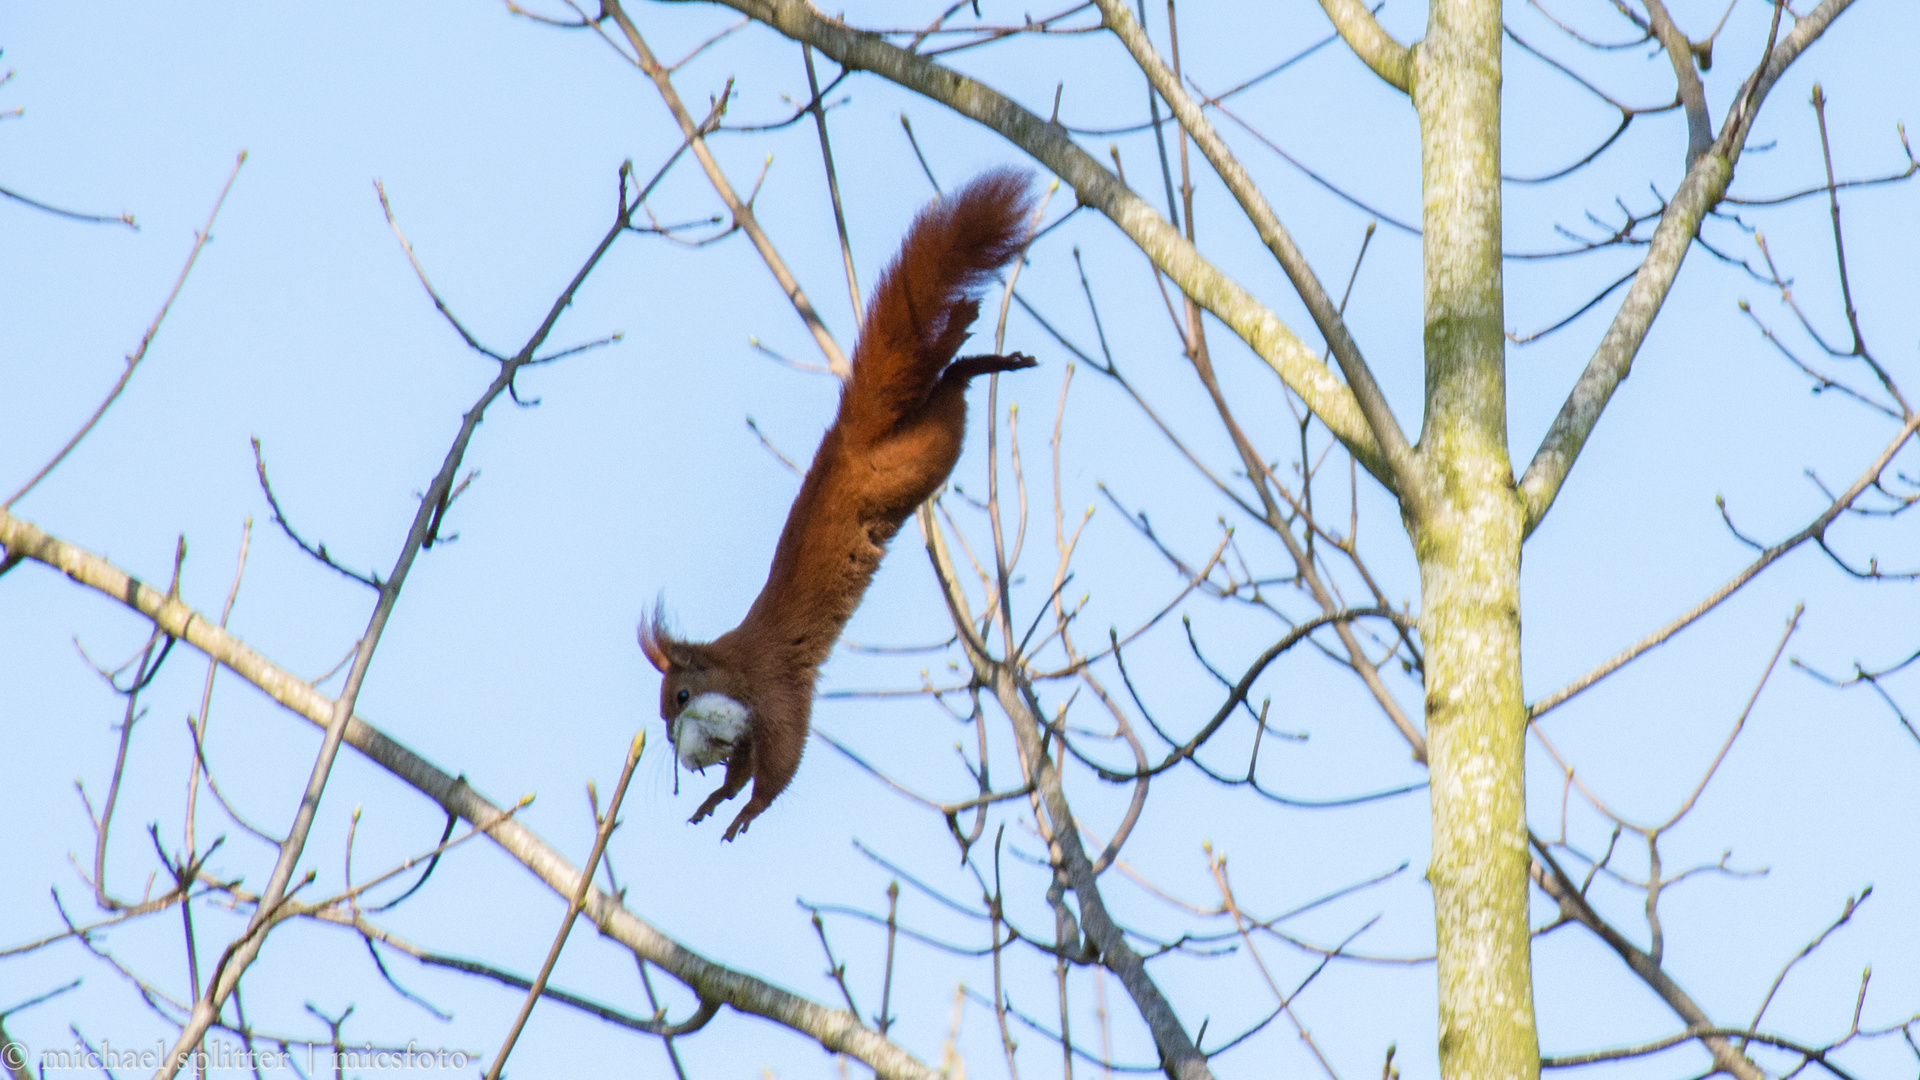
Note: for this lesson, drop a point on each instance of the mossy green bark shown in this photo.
(1467, 540)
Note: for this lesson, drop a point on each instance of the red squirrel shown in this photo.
(746, 696)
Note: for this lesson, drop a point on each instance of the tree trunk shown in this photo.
(1467, 540)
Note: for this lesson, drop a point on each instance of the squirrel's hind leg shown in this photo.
(739, 771)
(777, 745)
(747, 814)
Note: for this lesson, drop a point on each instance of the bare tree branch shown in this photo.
(574, 903)
(1816, 529)
(1705, 185)
(1389, 59)
(834, 1029)
(1095, 186)
(741, 209)
(73, 215)
(1574, 907)
(426, 522)
(1692, 95)
(1406, 476)
(140, 351)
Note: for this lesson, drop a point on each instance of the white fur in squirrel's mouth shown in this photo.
(708, 729)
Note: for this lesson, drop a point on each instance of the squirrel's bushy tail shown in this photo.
(928, 296)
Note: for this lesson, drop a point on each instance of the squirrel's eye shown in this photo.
(683, 696)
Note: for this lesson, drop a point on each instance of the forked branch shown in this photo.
(1375, 47)
(1405, 476)
(1705, 185)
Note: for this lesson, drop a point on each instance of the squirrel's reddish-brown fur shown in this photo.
(896, 438)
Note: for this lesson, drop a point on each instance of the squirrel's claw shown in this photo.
(747, 814)
(713, 801)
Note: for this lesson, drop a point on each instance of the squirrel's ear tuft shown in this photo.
(654, 641)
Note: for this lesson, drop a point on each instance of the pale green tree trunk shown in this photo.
(1467, 540)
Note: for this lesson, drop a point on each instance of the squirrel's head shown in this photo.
(699, 700)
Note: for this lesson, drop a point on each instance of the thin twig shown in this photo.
(241, 953)
(75, 215)
(1816, 529)
(140, 352)
(579, 899)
